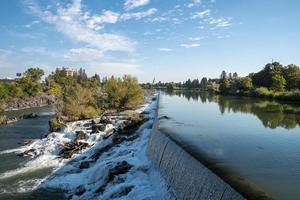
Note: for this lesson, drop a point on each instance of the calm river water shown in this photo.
(257, 140)
(15, 184)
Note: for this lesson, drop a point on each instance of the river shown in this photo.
(15, 182)
(252, 143)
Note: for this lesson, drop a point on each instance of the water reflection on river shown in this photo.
(256, 139)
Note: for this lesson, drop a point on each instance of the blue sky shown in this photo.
(168, 39)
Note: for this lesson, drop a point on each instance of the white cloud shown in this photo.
(130, 4)
(221, 22)
(80, 26)
(195, 3)
(201, 14)
(198, 1)
(138, 15)
(165, 49)
(190, 45)
(83, 55)
(159, 19)
(195, 38)
(96, 22)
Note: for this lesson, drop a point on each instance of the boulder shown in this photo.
(30, 116)
(130, 126)
(109, 134)
(71, 148)
(84, 165)
(11, 120)
(121, 168)
(98, 127)
(55, 125)
(80, 135)
(80, 190)
(105, 120)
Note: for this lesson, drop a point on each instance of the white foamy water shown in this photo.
(10, 151)
(143, 178)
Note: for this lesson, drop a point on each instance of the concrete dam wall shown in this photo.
(189, 178)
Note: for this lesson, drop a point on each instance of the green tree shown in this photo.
(29, 87)
(54, 89)
(79, 103)
(14, 90)
(223, 75)
(245, 83)
(34, 74)
(292, 77)
(170, 86)
(203, 84)
(264, 77)
(123, 93)
(114, 92)
(3, 91)
(278, 83)
(235, 75)
(224, 86)
(133, 93)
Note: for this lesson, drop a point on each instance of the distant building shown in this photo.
(68, 70)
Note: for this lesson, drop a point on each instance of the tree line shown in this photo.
(273, 81)
(78, 96)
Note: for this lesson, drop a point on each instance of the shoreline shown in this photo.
(297, 102)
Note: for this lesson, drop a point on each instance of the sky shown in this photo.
(171, 40)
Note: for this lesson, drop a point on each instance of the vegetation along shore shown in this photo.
(274, 81)
(74, 97)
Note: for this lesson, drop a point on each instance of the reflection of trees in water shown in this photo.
(272, 114)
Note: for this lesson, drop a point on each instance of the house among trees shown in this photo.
(68, 70)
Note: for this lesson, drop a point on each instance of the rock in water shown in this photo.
(84, 165)
(30, 116)
(71, 148)
(121, 168)
(105, 120)
(80, 190)
(80, 135)
(98, 127)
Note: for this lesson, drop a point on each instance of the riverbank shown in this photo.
(284, 97)
(100, 158)
(39, 100)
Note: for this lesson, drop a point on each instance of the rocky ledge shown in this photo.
(39, 100)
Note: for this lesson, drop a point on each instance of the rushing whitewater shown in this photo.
(140, 180)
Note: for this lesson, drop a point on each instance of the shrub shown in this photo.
(79, 103)
(55, 125)
(262, 92)
(123, 93)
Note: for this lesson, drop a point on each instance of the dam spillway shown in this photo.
(188, 177)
